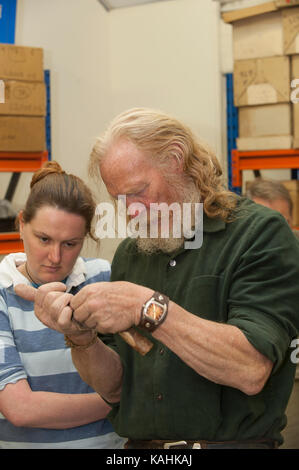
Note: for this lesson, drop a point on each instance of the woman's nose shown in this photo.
(54, 254)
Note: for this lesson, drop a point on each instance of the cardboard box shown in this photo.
(286, 3)
(293, 188)
(22, 134)
(21, 63)
(270, 34)
(290, 21)
(24, 98)
(265, 143)
(232, 12)
(267, 120)
(295, 75)
(262, 81)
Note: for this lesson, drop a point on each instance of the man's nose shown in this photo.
(55, 254)
(135, 207)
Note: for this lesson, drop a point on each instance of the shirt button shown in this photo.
(172, 262)
(159, 397)
(161, 351)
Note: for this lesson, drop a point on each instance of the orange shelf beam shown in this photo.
(262, 160)
(18, 162)
(10, 242)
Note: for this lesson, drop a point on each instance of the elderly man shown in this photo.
(221, 316)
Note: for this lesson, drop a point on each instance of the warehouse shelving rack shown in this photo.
(17, 163)
(20, 162)
(257, 160)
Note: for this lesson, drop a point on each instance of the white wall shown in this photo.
(164, 56)
(73, 34)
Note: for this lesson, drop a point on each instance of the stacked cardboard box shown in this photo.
(23, 110)
(233, 10)
(265, 63)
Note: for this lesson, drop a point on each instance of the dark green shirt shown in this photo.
(246, 274)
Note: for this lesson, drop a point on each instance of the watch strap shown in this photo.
(154, 312)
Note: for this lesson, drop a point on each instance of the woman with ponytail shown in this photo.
(43, 401)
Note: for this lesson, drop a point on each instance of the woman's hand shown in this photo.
(51, 306)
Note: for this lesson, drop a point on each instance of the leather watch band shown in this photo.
(154, 312)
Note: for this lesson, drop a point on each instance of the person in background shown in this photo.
(272, 194)
(43, 401)
(220, 314)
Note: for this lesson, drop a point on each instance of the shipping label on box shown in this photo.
(262, 81)
(21, 63)
(2, 92)
(24, 98)
(22, 134)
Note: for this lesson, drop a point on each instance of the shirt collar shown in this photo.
(11, 276)
(214, 224)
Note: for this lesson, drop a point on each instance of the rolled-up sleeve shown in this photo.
(264, 295)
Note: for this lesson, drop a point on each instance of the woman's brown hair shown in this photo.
(51, 186)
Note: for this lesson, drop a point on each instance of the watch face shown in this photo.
(155, 311)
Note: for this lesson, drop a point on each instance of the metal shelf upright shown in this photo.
(232, 129)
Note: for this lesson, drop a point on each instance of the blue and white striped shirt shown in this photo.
(29, 350)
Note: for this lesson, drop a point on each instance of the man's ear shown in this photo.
(177, 159)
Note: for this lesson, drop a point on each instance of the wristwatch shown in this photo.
(154, 312)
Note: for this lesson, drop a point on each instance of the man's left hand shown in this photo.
(110, 307)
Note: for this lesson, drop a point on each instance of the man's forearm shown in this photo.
(219, 352)
(100, 367)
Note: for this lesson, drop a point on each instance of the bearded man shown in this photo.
(221, 316)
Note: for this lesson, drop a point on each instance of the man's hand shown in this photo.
(110, 307)
(51, 306)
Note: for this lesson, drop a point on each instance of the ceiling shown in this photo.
(112, 4)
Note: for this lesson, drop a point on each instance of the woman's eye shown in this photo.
(70, 244)
(43, 239)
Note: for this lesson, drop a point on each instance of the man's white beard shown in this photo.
(188, 194)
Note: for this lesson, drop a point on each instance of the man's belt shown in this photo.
(200, 444)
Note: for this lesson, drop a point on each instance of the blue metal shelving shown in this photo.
(48, 115)
(232, 128)
(8, 10)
